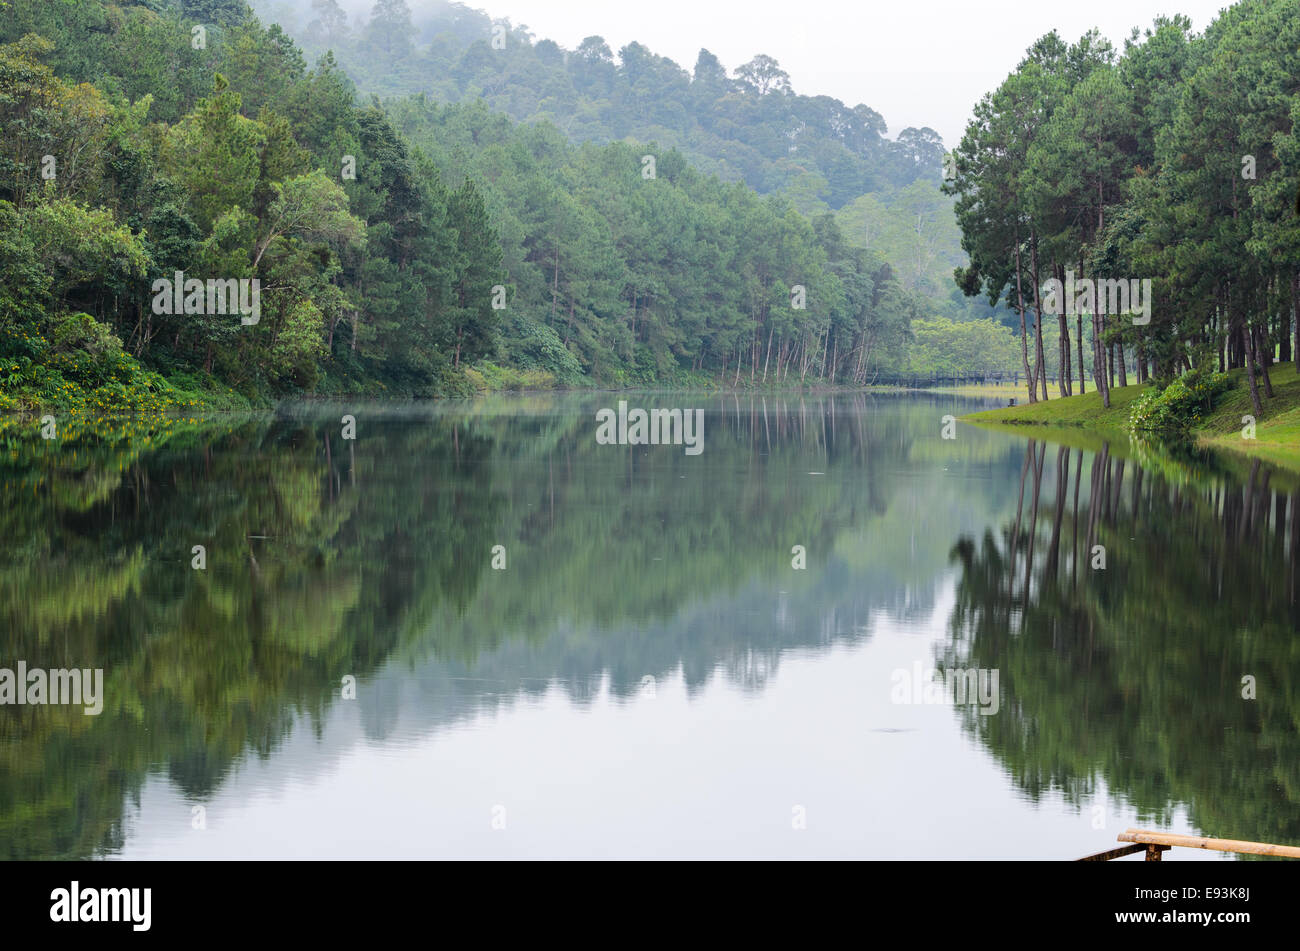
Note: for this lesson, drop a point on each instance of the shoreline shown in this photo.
(1277, 430)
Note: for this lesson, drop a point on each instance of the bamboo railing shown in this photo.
(1156, 843)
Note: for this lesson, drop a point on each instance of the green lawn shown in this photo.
(1277, 430)
(1083, 410)
(996, 390)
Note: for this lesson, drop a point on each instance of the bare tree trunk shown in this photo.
(1295, 315)
(1264, 347)
(1083, 384)
(1041, 371)
(555, 285)
(1250, 369)
(1065, 384)
(1038, 309)
(1024, 338)
(1099, 360)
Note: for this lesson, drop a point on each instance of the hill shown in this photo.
(746, 124)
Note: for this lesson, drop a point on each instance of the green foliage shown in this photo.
(1179, 407)
(488, 377)
(397, 244)
(1173, 162)
(81, 368)
(914, 228)
(362, 267)
(947, 350)
(642, 279)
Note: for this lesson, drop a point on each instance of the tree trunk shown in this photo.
(1295, 315)
(555, 285)
(1063, 361)
(1284, 337)
(1099, 361)
(1264, 347)
(1038, 309)
(1250, 375)
(1078, 327)
(1024, 338)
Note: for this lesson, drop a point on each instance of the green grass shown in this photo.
(1085, 410)
(1277, 429)
(997, 390)
(1277, 437)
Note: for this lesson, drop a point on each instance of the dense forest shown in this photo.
(418, 247)
(1174, 161)
(749, 125)
(437, 203)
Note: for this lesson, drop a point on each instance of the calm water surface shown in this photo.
(648, 675)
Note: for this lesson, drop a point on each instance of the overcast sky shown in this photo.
(916, 62)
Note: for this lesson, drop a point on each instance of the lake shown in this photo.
(473, 631)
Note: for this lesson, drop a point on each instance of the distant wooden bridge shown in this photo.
(1157, 843)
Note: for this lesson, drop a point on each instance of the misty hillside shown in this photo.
(741, 124)
(740, 121)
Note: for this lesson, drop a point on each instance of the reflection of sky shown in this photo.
(772, 696)
(713, 775)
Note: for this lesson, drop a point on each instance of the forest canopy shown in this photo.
(1173, 161)
(470, 209)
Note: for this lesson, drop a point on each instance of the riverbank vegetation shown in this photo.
(1173, 160)
(1219, 415)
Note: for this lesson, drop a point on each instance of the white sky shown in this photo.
(918, 63)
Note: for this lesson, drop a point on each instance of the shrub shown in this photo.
(492, 377)
(1179, 406)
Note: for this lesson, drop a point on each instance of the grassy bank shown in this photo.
(1001, 391)
(1277, 431)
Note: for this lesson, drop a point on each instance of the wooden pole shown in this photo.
(1112, 853)
(1201, 842)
